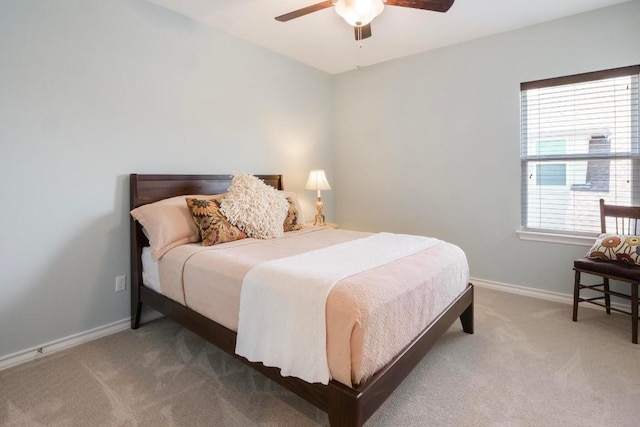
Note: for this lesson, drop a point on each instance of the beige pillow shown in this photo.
(168, 223)
(213, 225)
(255, 207)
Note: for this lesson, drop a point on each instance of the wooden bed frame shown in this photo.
(344, 405)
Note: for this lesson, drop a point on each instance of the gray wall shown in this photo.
(429, 144)
(91, 91)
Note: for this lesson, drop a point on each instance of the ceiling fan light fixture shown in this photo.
(359, 12)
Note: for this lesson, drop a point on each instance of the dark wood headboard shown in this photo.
(151, 188)
(146, 189)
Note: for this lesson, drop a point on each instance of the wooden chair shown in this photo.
(626, 223)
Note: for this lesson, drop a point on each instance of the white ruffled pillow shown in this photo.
(255, 207)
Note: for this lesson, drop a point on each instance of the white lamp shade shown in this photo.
(317, 181)
(359, 12)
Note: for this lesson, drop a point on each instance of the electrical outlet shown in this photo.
(121, 283)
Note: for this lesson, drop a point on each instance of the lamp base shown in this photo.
(319, 220)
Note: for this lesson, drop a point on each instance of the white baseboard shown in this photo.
(70, 341)
(536, 293)
(523, 290)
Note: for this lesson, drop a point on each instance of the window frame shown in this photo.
(570, 236)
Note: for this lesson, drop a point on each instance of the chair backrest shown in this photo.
(623, 218)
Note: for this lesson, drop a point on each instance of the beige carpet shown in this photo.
(527, 364)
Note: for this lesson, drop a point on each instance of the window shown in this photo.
(579, 143)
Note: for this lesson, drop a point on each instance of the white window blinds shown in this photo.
(579, 143)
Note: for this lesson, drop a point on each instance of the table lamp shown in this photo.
(318, 181)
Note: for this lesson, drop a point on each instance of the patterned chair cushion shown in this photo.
(614, 247)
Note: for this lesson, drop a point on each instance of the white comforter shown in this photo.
(282, 319)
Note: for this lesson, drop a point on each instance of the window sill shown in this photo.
(566, 239)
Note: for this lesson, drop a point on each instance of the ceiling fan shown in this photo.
(360, 13)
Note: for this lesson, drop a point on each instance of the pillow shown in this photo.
(255, 207)
(168, 223)
(616, 247)
(296, 203)
(292, 222)
(213, 225)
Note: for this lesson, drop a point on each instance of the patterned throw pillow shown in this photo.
(614, 247)
(291, 222)
(213, 225)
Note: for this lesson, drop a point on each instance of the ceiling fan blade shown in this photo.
(434, 5)
(362, 32)
(304, 11)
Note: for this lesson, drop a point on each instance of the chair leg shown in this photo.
(634, 313)
(576, 295)
(607, 296)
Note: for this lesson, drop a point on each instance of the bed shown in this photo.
(345, 405)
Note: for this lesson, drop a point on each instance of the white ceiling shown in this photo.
(325, 41)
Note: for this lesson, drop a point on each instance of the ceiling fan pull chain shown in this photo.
(359, 48)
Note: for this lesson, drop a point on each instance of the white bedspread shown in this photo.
(282, 319)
